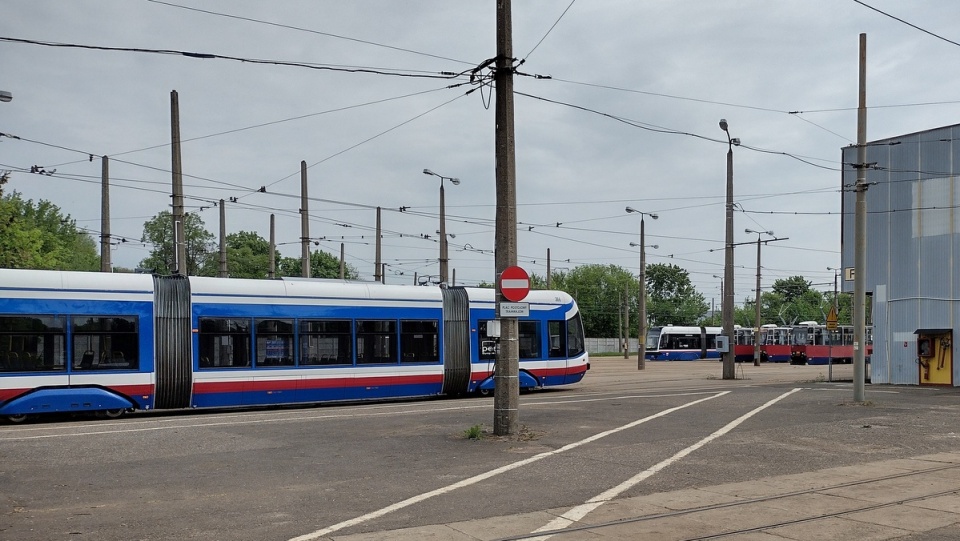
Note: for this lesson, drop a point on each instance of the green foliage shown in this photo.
(475, 432)
(248, 256)
(601, 291)
(671, 298)
(38, 236)
(322, 265)
(200, 246)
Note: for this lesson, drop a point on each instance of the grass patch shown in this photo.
(475, 432)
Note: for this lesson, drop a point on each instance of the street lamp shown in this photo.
(642, 326)
(5, 96)
(729, 368)
(756, 334)
(443, 224)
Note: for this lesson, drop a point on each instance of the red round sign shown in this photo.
(514, 284)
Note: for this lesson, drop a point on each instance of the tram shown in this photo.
(813, 343)
(112, 343)
(682, 343)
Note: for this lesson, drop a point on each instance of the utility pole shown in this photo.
(223, 240)
(179, 227)
(860, 234)
(378, 263)
(304, 223)
(342, 256)
(272, 266)
(506, 395)
(105, 264)
(548, 268)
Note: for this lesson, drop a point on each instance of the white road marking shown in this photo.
(492, 473)
(275, 417)
(577, 513)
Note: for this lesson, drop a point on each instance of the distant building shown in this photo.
(913, 253)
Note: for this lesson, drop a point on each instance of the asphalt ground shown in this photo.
(670, 452)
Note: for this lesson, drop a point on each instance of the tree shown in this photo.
(248, 256)
(672, 299)
(322, 265)
(38, 236)
(600, 291)
(200, 246)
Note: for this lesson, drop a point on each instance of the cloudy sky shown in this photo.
(628, 117)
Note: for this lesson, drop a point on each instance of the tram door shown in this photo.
(935, 356)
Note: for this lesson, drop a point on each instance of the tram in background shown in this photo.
(682, 343)
(813, 343)
(110, 343)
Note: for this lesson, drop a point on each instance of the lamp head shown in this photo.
(723, 124)
(655, 246)
(654, 216)
(428, 172)
(455, 181)
(735, 141)
(631, 209)
(5, 96)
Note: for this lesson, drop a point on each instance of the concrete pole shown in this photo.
(223, 240)
(342, 262)
(304, 223)
(624, 324)
(756, 334)
(548, 268)
(272, 265)
(729, 368)
(378, 263)
(642, 325)
(860, 235)
(506, 396)
(179, 227)
(105, 264)
(443, 237)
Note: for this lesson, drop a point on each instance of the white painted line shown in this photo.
(487, 475)
(577, 513)
(253, 418)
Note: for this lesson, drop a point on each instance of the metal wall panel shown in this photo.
(913, 238)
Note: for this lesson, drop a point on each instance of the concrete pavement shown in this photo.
(917, 499)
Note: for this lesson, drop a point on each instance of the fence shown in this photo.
(608, 345)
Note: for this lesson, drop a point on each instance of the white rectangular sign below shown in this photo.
(514, 309)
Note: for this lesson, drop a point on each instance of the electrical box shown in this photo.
(493, 328)
(723, 344)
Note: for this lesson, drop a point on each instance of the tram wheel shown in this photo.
(485, 392)
(17, 418)
(112, 414)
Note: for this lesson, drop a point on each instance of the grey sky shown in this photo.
(679, 66)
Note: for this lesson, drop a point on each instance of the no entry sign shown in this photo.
(514, 284)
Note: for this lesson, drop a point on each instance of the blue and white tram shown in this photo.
(109, 343)
(682, 343)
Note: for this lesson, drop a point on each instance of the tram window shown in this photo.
(575, 345)
(529, 339)
(106, 343)
(419, 341)
(274, 342)
(487, 345)
(376, 341)
(325, 342)
(224, 342)
(558, 339)
(32, 343)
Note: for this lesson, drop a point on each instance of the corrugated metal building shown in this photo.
(913, 239)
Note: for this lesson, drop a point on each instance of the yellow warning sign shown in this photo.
(832, 319)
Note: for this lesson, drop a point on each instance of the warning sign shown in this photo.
(832, 319)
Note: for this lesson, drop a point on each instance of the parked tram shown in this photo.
(111, 343)
(813, 343)
(682, 343)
